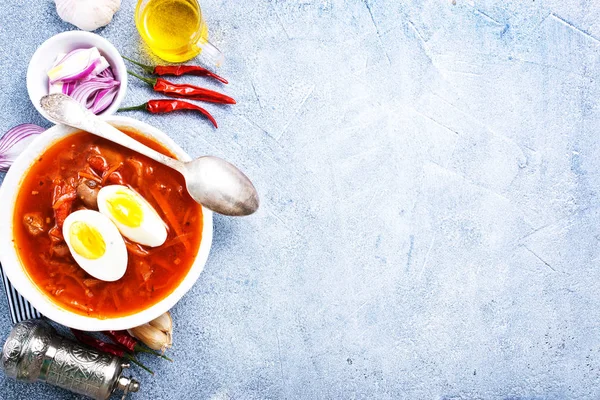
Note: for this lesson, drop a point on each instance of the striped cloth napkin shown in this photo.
(20, 309)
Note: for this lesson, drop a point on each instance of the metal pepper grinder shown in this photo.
(34, 351)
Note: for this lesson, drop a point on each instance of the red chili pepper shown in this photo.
(165, 106)
(131, 344)
(184, 91)
(106, 347)
(177, 70)
(123, 339)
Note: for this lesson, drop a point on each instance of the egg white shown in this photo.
(111, 266)
(152, 231)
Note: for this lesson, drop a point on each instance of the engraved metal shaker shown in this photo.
(34, 351)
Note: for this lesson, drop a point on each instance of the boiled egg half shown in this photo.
(132, 214)
(96, 244)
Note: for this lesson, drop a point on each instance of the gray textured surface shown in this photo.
(429, 175)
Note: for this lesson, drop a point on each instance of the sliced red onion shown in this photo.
(107, 73)
(59, 58)
(85, 75)
(80, 75)
(15, 141)
(99, 79)
(68, 88)
(101, 66)
(104, 99)
(86, 92)
(76, 65)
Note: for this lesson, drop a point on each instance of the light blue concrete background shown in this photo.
(429, 173)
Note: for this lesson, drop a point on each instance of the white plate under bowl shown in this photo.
(15, 270)
(45, 55)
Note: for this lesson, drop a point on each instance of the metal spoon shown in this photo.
(211, 181)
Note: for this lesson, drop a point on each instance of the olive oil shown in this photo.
(173, 29)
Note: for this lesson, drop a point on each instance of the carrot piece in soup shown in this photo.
(64, 195)
(168, 213)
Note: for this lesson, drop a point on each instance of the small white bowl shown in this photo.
(17, 274)
(44, 56)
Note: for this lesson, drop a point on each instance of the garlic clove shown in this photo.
(163, 323)
(88, 15)
(151, 337)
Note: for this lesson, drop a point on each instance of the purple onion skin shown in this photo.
(85, 93)
(11, 139)
(95, 92)
(107, 73)
(81, 75)
(104, 99)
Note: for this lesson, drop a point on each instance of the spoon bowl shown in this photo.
(211, 181)
(232, 192)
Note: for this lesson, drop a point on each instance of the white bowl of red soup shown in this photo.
(59, 174)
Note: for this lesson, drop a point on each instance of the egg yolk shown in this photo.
(86, 241)
(126, 209)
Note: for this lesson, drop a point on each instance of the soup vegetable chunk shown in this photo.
(68, 178)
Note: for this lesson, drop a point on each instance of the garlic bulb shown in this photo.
(87, 14)
(151, 337)
(163, 323)
(156, 334)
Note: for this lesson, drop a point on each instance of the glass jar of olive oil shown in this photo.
(175, 30)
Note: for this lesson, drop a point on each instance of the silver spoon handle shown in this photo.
(107, 131)
(63, 109)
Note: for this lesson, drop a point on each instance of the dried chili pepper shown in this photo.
(184, 91)
(131, 344)
(165, 106)
(177, 70)
(106, 348)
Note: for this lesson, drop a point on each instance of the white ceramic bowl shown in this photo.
(16, 272)
(44, 56)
